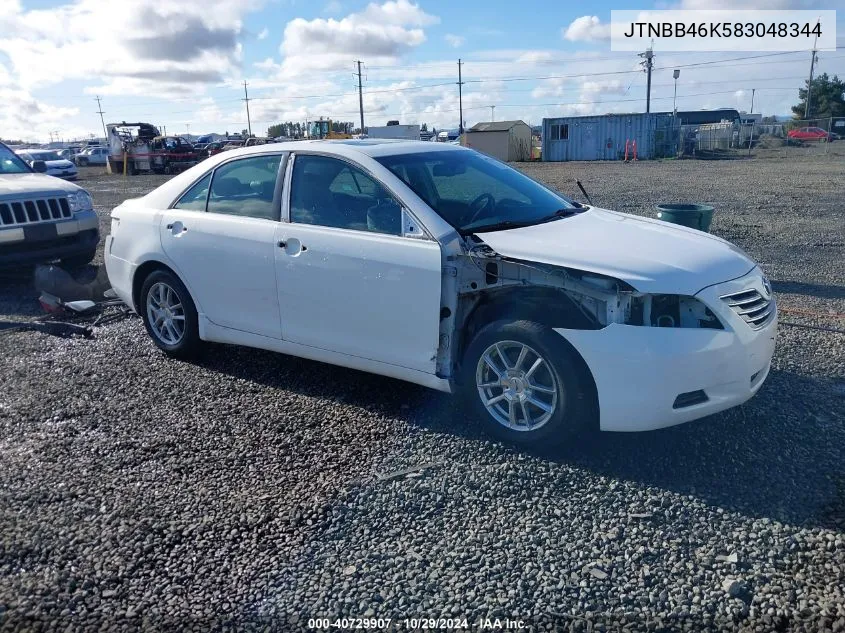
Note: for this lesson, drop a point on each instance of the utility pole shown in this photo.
(647, 64)
(360, 96)
(102, 120)
(753, 90)
(810, 83)
(460, 101)
(492, 113)
(246, 100)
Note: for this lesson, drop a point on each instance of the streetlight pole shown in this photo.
(676, 73)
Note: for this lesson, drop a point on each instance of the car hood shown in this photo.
(651, 255)
(59, 164)
(20, 186)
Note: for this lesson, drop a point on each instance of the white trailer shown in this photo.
(405, 132)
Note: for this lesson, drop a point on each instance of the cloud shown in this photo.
(380, 33)
(587, 28)
(263, 34)
(454, 41)
(194, 40)
(333, 8)
(27, 118)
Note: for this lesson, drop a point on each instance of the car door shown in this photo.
(355, 274)
(220, 236)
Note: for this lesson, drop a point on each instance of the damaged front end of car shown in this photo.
(489, 286)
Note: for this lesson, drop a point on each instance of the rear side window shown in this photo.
(195, 198)
(246, 187)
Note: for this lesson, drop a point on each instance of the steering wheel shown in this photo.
(481, 203)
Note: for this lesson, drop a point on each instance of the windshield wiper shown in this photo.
(563, 213)
(496, 226)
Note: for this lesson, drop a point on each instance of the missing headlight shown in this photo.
(672, 311)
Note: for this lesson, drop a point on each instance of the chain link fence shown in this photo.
(823, 137)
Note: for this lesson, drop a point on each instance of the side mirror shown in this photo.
(39, 166)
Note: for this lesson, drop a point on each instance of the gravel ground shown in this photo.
(251, 490)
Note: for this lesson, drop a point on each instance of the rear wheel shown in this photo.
(169, 315)
(526, 384)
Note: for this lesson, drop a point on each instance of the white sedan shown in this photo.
(438, 265)
(56, 165)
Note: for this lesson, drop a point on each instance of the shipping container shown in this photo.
(605, 137)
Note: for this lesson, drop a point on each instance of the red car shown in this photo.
(810, 134)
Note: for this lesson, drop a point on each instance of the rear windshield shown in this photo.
(11, 163)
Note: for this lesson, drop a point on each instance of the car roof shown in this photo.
(350, 147)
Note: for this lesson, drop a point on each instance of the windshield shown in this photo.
(44, 155)
(476, 193)
(11, 163)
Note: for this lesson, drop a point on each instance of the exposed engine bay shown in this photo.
(559, 296)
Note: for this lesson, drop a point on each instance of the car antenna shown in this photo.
(584, 191)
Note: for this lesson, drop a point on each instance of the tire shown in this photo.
(164, 289)
(568, 399)
(78, 261)
(82, 162)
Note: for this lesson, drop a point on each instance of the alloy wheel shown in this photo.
(165, 313)
(516, 385)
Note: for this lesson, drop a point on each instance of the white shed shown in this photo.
(505, 140)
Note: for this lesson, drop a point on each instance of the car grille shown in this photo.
(23, 212)
(752, 306)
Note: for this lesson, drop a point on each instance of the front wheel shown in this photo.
(169, 315)
(526, 384)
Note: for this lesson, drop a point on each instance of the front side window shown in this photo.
(476, 193)
(330, 192)
(195, 198)
(11, 163)
(246, 187)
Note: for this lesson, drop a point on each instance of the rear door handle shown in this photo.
(172, 224)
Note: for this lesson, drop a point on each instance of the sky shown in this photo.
(181, 64)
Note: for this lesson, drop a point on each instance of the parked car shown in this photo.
(230, 145)
(811, 134)
(92, 156)
(67, 154)
(43, 218)
(211, 149)
(56, 165)
(444, 267)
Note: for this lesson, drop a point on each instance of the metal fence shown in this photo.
(730, 139)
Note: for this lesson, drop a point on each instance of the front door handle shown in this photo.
(292, 246)
(180, 228)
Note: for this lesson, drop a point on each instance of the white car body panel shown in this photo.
(651, 366)
(651, 255)
(342, 292)
(230, 262)
(373, 302)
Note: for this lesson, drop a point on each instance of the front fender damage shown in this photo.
(488, 285)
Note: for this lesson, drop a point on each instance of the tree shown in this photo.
(276, 130)
(827, 98)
